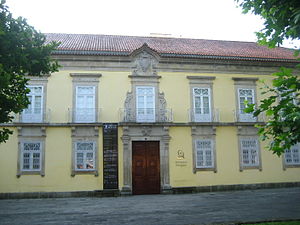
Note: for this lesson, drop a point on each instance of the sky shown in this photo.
(200, 19)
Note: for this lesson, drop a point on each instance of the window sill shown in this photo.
(84, 172)
(205, 169)
(30, 173)
(250, 168)
(286, 166)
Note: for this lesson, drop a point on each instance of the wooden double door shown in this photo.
(145, 167)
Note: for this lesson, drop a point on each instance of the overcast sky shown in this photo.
(203, 19)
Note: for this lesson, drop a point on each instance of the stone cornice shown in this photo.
(249, 79)
(201, 77)
(86, 75)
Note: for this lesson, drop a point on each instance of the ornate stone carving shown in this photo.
(162, 101)
(146, 131)
(129, 112)
(144, 65)
(128, 100)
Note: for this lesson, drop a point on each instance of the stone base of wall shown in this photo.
(234, 187)
(73, 194)
(174, 190)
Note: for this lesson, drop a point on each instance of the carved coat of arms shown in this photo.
(144, 64)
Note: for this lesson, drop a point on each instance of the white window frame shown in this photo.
(256, 164)
(201, 117)
(242, 116)
(85, 152)
(146, 117)
(292, 154)
(81, 114)
(211, 150)
(31, 152)
(32, 117)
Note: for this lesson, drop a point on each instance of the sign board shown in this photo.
(110, 156)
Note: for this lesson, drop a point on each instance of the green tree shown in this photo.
(22, 52)
(282, 105)
(282, 19)
(282, 108)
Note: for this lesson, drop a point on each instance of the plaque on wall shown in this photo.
(110, 156)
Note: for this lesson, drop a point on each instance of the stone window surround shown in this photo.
(204, 132)
(31, 134)
(201, 82)
(248, 132)
(85, 79)
(244, 83)
(85, 134)
(146, 133)
(40, 81)
(145, 81)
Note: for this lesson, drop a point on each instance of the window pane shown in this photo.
(250, 152)
(26, 160)
(36, 161)
(79, 161)
(37, 90)
(204, 153)
(89, 160)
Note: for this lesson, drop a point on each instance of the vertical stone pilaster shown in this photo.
(127, 158)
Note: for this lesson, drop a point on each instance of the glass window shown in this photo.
(204, 153)
(85, 110)
(31, 156)
(34, 111)
(249, 152)
(201, 101)
(145, 104)
(85, 156)
(292, 156)
(245, 95)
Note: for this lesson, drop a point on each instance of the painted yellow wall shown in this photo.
(58, 156)
(113, 87)
(227, 162)
(112, 90)
(177, 93)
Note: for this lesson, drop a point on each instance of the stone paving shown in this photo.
(200, 208)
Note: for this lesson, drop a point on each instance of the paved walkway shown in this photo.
(201, 208)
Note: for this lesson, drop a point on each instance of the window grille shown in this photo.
(31, 156)
(84, 156)
(249, 150)
(204, 154)
(292, 156)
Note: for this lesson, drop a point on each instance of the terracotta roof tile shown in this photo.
(113, 44)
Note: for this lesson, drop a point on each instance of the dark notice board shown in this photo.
(110, 156)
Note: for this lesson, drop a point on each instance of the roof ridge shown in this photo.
(171, 45)
(152, 37)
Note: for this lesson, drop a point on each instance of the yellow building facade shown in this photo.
(137, 115)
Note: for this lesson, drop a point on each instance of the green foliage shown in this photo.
(22, 52)
(282, 19)
(282, 109)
